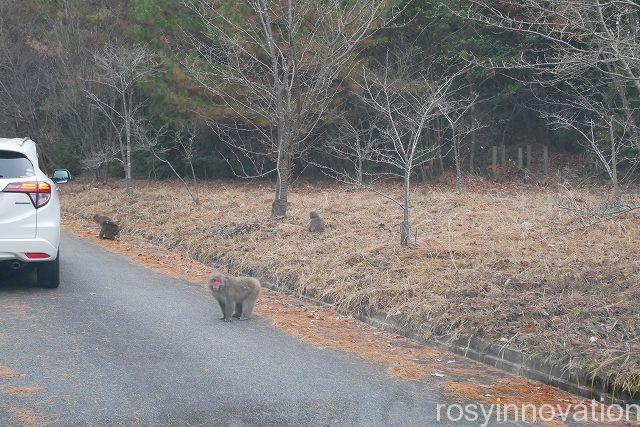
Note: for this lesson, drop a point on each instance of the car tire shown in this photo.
(49, 274)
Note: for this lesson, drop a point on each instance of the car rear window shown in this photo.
(15, 165)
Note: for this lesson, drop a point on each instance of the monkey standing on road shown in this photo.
(108, 228)
(236, 295)
(316, 225)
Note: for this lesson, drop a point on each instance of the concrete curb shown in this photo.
(498, 356)
(514, 362)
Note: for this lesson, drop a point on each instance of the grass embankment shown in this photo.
(495, 262)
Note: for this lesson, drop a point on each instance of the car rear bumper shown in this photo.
(16, 249)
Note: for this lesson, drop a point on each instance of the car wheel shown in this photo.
(49, 274)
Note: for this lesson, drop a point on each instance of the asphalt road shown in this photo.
(118, 344)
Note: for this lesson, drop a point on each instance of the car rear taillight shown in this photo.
(37, 255)
(38, 191)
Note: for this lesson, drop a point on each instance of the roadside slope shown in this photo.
(495, 263)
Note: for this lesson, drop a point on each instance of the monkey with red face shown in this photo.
(236, 295)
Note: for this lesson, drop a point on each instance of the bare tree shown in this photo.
(456, 111)
(45, 60)
(278, 67)
(586, 40)
(119, 72)
(351, 141)
(27, 78)
(584, 35)
(591, 63)
(408, 99)
(607, 129)
(181, 141)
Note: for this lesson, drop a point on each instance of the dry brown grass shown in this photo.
(494, 262)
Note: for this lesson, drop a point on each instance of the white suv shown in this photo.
(29, 212)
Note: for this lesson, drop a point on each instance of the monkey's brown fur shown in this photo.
(236, 295)
(316, 225)
(108, 227)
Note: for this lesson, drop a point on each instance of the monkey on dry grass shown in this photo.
(316, 225)
(108, 228)
(236, 295)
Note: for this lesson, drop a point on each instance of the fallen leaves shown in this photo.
(22, 390)
(7, 373)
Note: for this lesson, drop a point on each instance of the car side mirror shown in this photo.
(61, 176)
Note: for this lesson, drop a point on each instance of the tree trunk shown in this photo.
(127, 171)
(520, 158)
(614, 165)
(545, 159)
(622, 93)
(440, 137)
(472, 156)
(494, 158)
(456, 155)
(359, 171)
(283, 165)
(195, 182)
(279, 206)
(127, 118)
(404, 232)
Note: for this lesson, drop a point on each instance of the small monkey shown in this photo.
(108, 228)
(316, 225)
(236, 295)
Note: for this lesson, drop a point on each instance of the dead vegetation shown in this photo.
(7, 373)
(25, 417)
(22, 390)
(495, 262)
